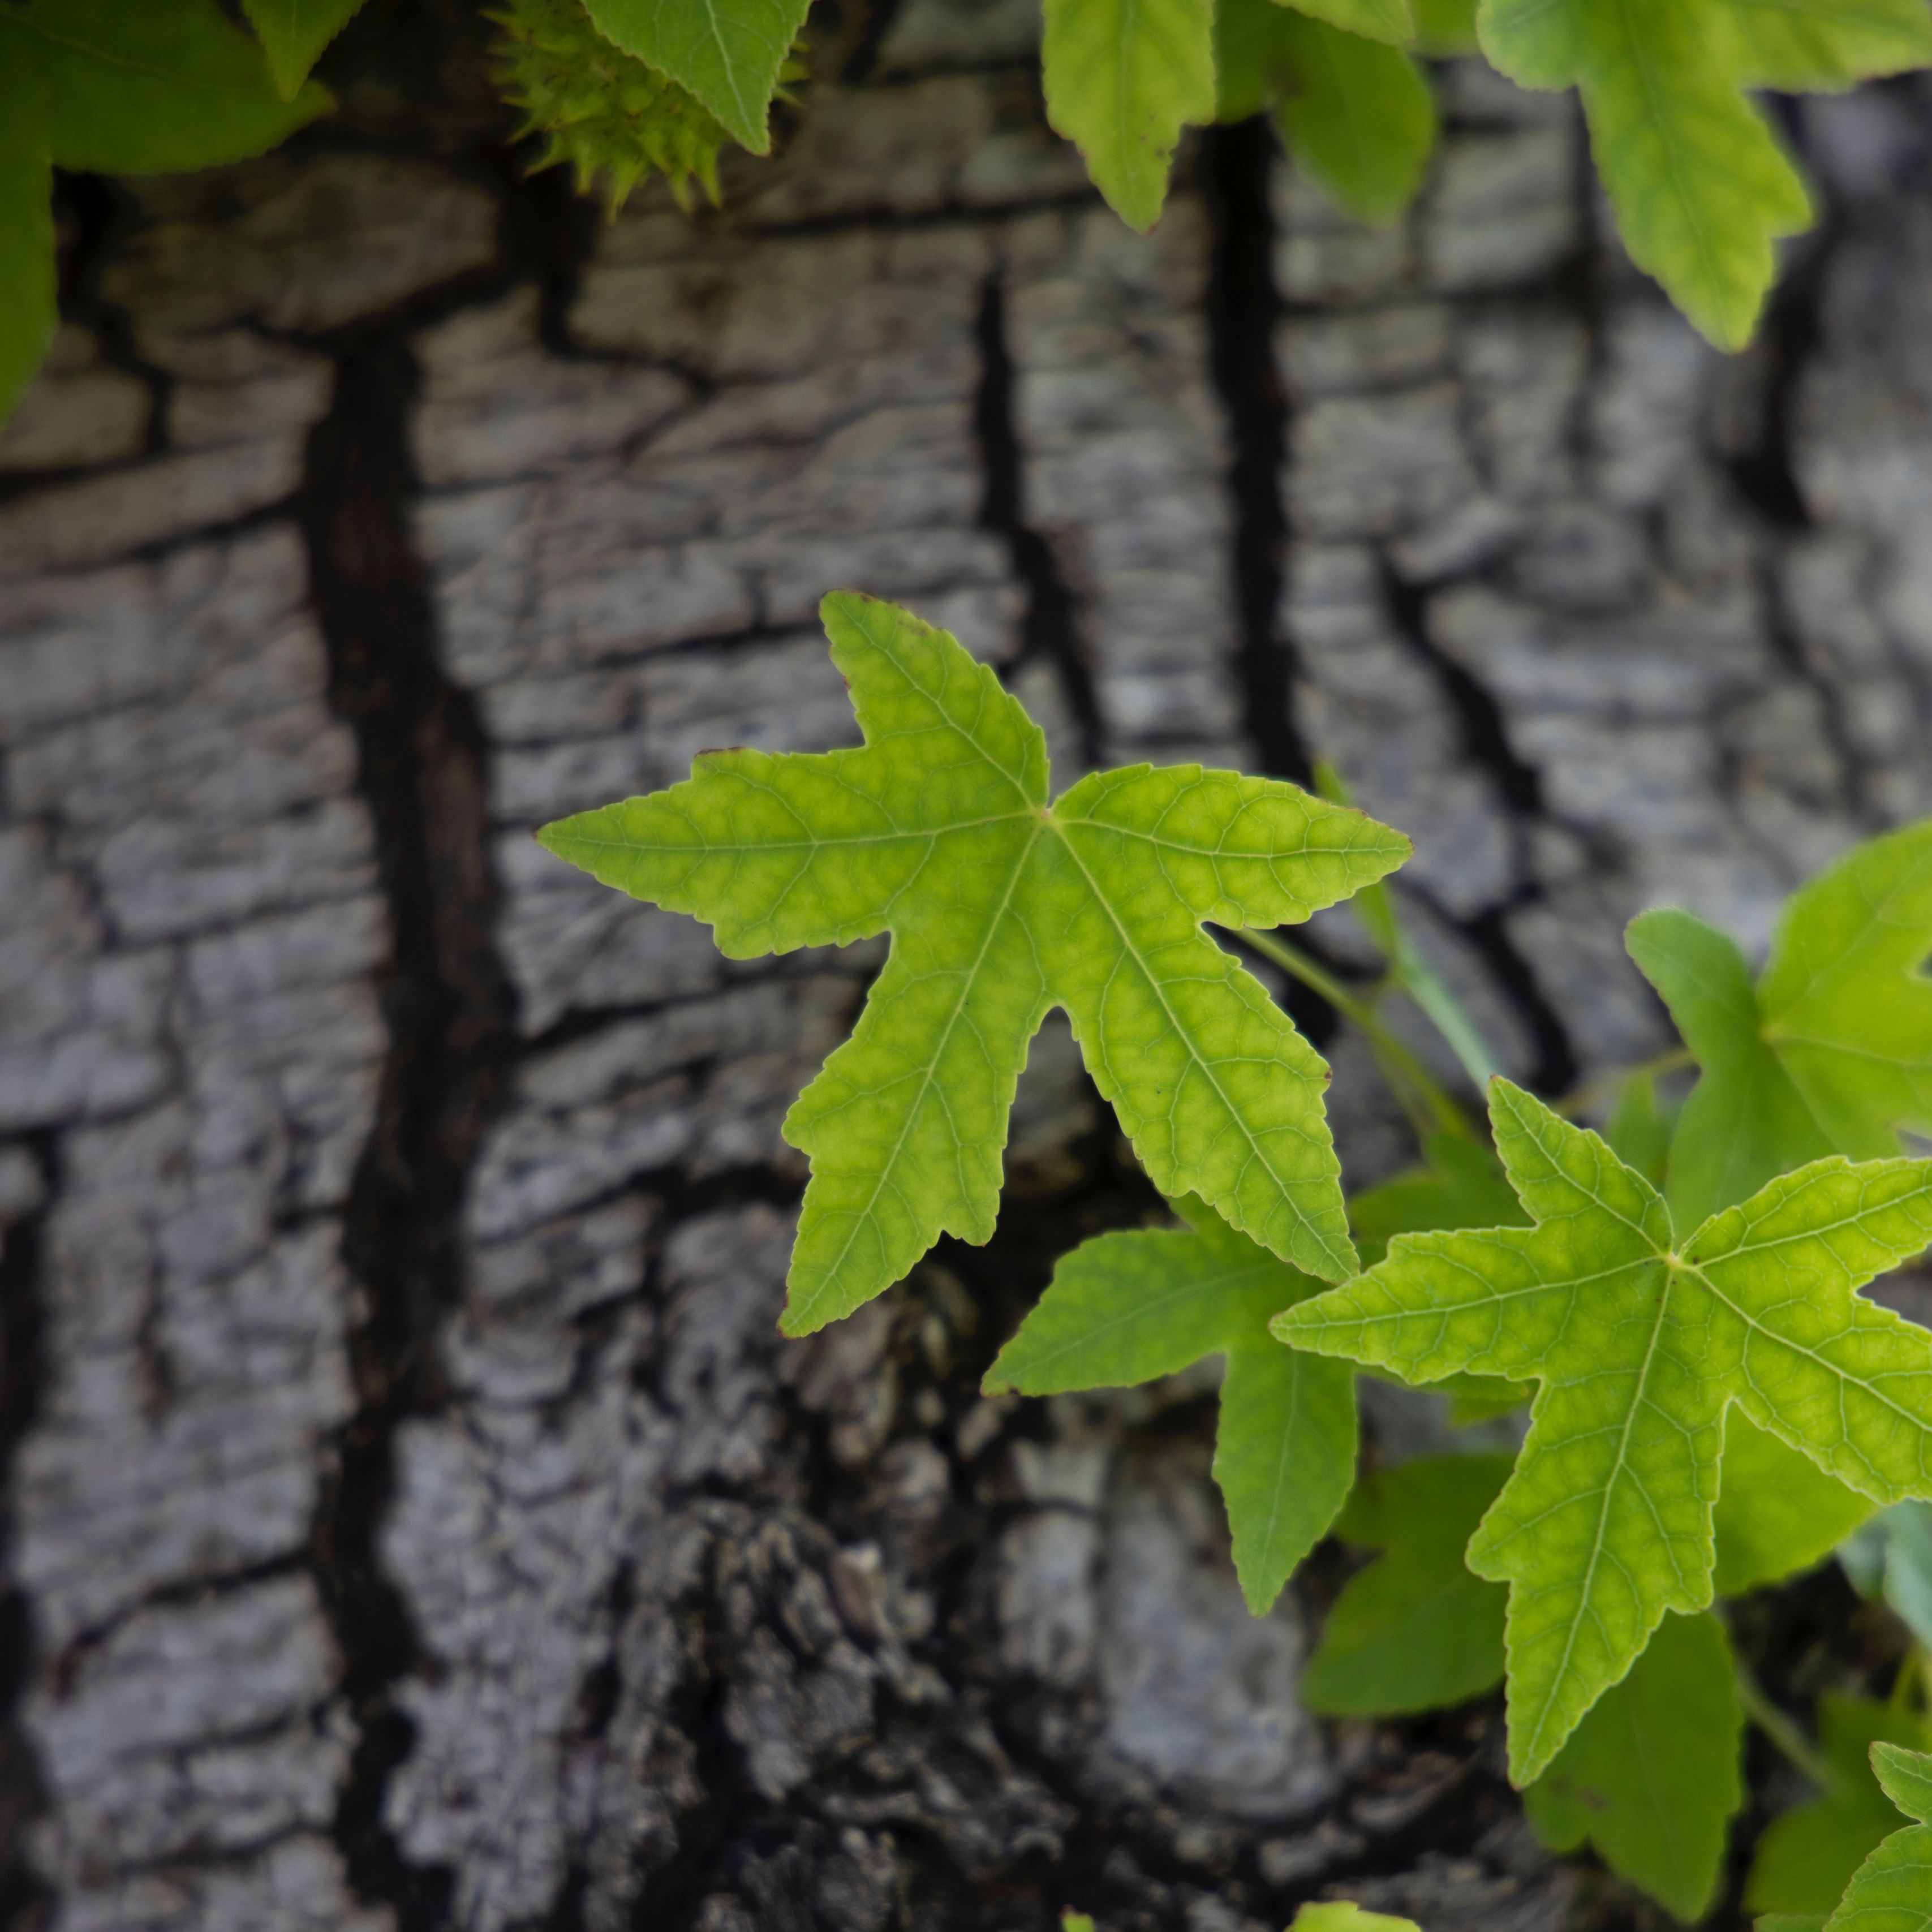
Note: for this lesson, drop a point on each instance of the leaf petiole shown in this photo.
(1791, 1743)
(1430, 1108)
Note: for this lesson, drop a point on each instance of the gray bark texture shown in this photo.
(413, 1519)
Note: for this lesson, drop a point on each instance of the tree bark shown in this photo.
(413, 1518)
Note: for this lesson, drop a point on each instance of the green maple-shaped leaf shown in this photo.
(293, 33)
(1830, 1052)
(1640, 1341)
(1650, 1777)
(1001, 905)
(1126, 1307)
(1122, 77)
(1355, 112)
(730, 53)
(1415, 1631)
(1825, 45)
(1701, 188)
(1808, 1854)
(101, 86)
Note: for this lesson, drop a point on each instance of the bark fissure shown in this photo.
(1243, 306)
(25, 1898)
(450, 1013)
(1050, 626)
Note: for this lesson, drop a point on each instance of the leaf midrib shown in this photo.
(862, 1216)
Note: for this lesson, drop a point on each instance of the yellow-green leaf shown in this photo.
(1123, 78)
(1640, 1339)
(293, 33)
(1001, 905)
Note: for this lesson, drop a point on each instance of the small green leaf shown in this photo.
(100, 86)
(1126, 1307)
(938, 830)
(1357, 115)
(1807, 1855)
(1745, 1120)
(1826, 46)
(1414, 1630)
(1650, 1777)
(293, 33)
(1906, 1778)
(1345, 1916)
(1892, 1891)
(729, 53)
(1123, 78)
(1388, 21)
(1640, 1341)
(1832, 1051)
(1362, 122)
(1777, 1512)
(1700, 187)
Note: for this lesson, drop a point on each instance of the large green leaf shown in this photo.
(729, 53)
(1830, 1051)
(1640, 1341)
(1807, 1856)
(1126, 1307)
(98, 85)
(1700, 187)
(1827, 45)
(1123, 78)
(938, 829)
(1414, 1630)
(1650, 1777)
(1356, 114)
(293, 33)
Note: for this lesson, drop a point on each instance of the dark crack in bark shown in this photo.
(449, 1010)
(1050, 627)
(25, 1903)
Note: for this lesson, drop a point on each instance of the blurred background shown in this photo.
(413, 1517)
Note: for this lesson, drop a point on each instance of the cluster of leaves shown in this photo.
(619, 89)
(1701, 186)
(1715, 1405)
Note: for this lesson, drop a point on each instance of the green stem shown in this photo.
(1429, 992)
(1792, 1743)
(1590, 1093)
(1910, 1682)
(1429, 1107)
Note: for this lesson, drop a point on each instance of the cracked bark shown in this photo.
(502, 1568)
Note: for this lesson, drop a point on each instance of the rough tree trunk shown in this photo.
(413, 1518)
